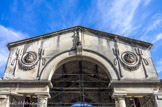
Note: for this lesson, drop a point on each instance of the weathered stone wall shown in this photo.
(130, 61)
(32, 63)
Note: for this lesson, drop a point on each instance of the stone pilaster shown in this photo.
(116, 102)
(120, 101)
(42, 101)
(42, 98)
(158, 98)
(4, 101)
(120, 98)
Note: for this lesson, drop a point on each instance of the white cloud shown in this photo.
(146, 2)
(157, 38)
(3, 57)
(119, 14)
(7, 35)
(156, 23)
(159, 66)
(152, 33)
(30, 5)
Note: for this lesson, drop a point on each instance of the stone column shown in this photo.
(4, 101)
(42, 101)
(158, 98)
(116, 102)
(120, 102)
(119, 97)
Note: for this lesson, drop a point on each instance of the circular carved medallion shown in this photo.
(129, 58)
(29, 57)
(130, 61)
(28, 60)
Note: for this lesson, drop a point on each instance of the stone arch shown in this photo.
(49, 69)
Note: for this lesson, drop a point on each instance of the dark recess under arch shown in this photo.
(80, 81)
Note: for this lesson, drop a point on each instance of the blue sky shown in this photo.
(138, 19)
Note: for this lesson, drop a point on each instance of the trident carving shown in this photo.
(40, 54)
(144, 61)
(117, 60)
(14, 61)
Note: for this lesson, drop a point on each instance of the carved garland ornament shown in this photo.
(130, 61)
(28, 60)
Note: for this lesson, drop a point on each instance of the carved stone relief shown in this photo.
(15, 60)
(143, 61)
(130, 61)
(28, 60)
(129, 57)
(77, 41)
(41, 58)
(117, 60)
(29, 57)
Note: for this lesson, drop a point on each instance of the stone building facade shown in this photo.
(80, 65)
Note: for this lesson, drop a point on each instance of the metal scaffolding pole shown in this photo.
(99, 87)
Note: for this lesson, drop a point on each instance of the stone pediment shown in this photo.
(84, 29)
(38, 57)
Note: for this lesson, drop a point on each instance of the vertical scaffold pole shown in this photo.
(99, 87)
(61, 97)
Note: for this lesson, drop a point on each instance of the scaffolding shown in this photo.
(85, 83)
(80, 82)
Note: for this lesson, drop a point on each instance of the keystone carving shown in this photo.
(78, 43)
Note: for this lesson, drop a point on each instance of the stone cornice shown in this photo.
(135, 83)
(97, 32)
(25, 82)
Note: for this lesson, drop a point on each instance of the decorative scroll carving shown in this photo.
(43, 61)
(28, 60)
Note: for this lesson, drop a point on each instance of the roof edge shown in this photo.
(110, 35)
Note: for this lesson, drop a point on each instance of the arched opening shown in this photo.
(80, 83)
